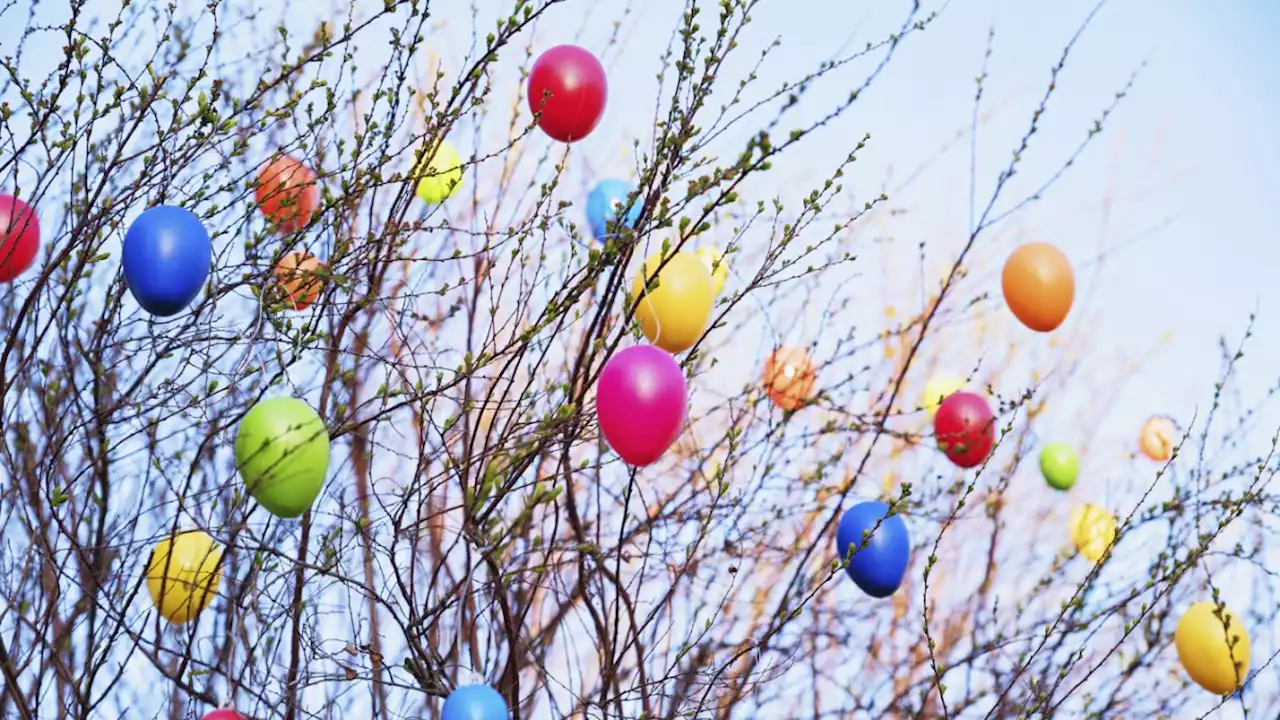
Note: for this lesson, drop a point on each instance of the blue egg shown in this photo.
(606, 200)
(880, 565)
(167, 256)
(475, 702)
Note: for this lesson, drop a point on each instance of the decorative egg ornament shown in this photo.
(939, 388)
(19, 237)
(641, 402)
(475, 702)
(878, 566)
(1039, 286)
(224, 714)
(183, 575)
(297, 280)
(674, 314)
(441, 175)
(282, 453)
(567, 85)
(167, 257)
(965, 429)
(716, 265)
(789, 377)
(287, 194)
(606, 200)
(1092, 530)
(1157, 439)
(1060, 465)
(1213, 647)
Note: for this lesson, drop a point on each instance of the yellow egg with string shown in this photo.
(440, 173)
(1092, 530)
(939, 388)
(183, 575)
(1213, 647)
(675, 309)
(716, 265)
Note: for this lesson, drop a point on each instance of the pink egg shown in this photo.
(641, 401)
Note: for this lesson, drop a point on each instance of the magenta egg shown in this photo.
(641, 401)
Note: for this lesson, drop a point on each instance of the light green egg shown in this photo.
(282, 453)
(1060, 465)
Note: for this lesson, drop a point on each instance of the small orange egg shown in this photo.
(1157, 439)
(297, 279)
(789, 377)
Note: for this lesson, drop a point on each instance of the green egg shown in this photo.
(282, 453)
(1060, 465)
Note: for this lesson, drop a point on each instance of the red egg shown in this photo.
(578, 91)
(224, 714)
(965, 429)
(287, 193)
(19, 237)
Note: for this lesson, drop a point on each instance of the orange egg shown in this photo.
(287, 193)
(297, 281)
(789, 376)
(1039, 286)
(1157, 439)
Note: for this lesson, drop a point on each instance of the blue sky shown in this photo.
(1194, 145)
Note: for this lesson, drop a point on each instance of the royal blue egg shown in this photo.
(878, 566)
(475, 702)
(605, 202)
(167, 256)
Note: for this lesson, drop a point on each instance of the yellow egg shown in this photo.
(710, 256)
(674, 314)
(938, 389)
(183, 575)
(442, 174)
(1092, 530)
(1212, 662)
